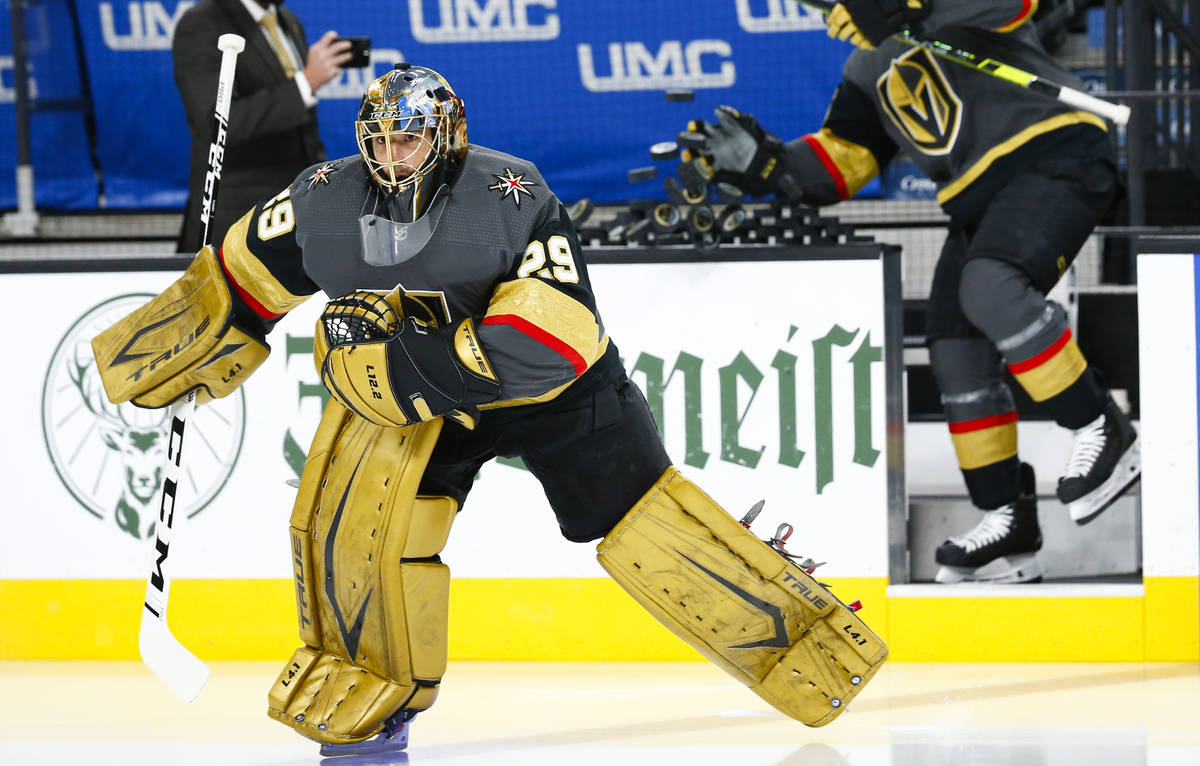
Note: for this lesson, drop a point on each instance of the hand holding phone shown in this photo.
(360, 52)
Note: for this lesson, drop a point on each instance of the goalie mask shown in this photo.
(412, 134)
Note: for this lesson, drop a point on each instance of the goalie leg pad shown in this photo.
(181, 340)
(740, 603)
(372, 595)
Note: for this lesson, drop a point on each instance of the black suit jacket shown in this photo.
(272, 136)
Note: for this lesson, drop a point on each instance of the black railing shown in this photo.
(1151, 52)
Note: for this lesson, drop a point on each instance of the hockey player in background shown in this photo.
(1024, 180)
(462, 326)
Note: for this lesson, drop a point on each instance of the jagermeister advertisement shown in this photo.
(766, 380)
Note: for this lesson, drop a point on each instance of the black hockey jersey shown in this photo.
(967, 131)
(495, 245)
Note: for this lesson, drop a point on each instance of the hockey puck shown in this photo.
(728, 193)
(680, 94)
(642, 174)
(664, 150)
(702, 219)
(731, 219)
(692, 139)
(667, 217)
(695, 188)
(634, 230)
(579, 212)
(694, 194)
(706, 240)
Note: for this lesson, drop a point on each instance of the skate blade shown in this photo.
(1124, 476)
(381, 745)
(1011, 569)
(397, 758)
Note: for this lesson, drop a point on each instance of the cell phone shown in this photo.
(360, 52)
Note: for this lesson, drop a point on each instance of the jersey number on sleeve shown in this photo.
(276, 217)
(533, 263)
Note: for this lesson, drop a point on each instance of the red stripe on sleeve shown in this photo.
(541, 336)
(1040, 359)
(830, 166)
(250, 300)
(978, 424)
(1026, 5)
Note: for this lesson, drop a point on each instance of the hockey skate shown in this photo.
(392, 739)
(1106, 461)
(1009, 536)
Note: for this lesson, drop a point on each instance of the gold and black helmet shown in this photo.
(412, 133)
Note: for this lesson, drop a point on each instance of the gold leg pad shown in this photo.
(740, 603)
(327, 699)
(372, 595)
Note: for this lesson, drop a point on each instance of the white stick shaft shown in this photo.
(1118, 113)
(170, 660)
(230, 46)
(179, 669)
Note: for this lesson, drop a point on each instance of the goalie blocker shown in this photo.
(184, 339)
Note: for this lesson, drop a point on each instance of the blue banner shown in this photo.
(141, 135)
(64, 176)
(577, 87)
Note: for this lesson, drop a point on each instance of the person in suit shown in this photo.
(272, 117)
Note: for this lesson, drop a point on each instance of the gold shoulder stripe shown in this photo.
(250, 273)
(1007, 147)
(565, 320)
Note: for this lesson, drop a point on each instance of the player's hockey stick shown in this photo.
(1118, 113)
(168, 659)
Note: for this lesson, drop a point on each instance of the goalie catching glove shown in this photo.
(395, 371)
(737, 151)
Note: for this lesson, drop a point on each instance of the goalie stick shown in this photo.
(1118, 113)
(166, 657)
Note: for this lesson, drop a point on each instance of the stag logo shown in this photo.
(110, 457)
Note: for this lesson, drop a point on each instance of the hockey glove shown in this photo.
(395, 372)
(867, 23)
(737, 151)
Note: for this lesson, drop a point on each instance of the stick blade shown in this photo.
(183, 672)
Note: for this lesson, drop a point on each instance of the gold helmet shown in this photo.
(412, 134)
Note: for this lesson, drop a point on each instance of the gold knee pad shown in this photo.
(372, 596)
(740, 603)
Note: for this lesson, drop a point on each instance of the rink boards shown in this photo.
(770, 380)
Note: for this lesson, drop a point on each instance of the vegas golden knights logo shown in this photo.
(918, 97)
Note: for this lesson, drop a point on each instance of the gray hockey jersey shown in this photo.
(494, 244)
